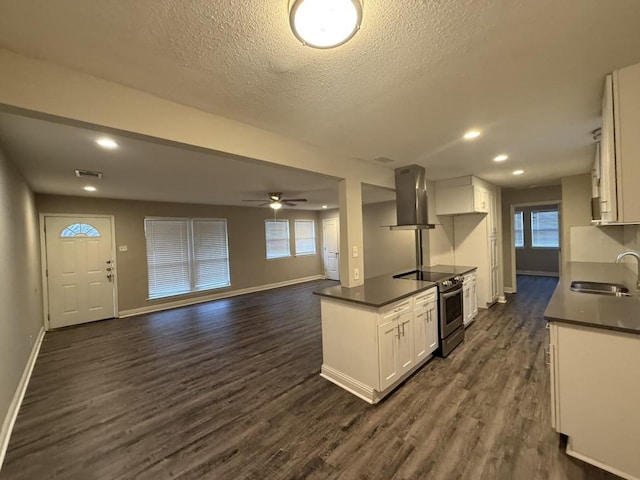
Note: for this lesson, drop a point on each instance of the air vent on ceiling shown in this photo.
(383, 160)
(88, 174)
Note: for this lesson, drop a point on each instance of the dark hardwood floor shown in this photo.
(230, 390)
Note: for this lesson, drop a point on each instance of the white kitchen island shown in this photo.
(374, 336)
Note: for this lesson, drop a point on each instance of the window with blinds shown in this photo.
(305, 236)
(277, 238)
(544, 229)
(186, 255)
(518, 229)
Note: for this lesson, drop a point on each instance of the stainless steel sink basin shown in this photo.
(600, 288)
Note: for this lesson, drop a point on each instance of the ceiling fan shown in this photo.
(276, 201)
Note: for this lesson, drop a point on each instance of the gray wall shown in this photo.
(535, 260)
(576, 208)
(511, 196)
(385, 251)
(20, 290)
(245, 225)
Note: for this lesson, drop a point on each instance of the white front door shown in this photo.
(80, 270)
(331, 248)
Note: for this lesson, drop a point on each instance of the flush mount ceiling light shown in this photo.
(471, 134)
(275, 205)
(518, 172)
(325, 23)
(501, 158)
(107, 143)
(90, 188)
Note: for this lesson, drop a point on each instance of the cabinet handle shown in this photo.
(403, 329)
(398, 327)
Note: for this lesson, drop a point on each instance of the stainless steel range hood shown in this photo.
(411, 199)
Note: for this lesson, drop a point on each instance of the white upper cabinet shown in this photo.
(462, 195)
(620, 147)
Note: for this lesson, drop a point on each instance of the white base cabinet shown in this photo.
(469, 299)
(595, 395)
(369, 351)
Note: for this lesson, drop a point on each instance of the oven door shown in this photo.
(450, 311)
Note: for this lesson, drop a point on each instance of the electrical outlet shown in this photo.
(356, 274)
(355, 251)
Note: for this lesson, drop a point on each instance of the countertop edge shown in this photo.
(593, 326)
(381, 304)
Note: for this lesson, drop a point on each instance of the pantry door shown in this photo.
(80, 269)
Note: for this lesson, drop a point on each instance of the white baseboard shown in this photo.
(14, 408)
(597, 463)
(537, 274)
(214, 296)
(508, 290)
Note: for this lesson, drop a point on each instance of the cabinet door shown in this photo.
(388, 335)
(432, 326)
(608, 200)
(420, 329)
(480, 200)
(474, 298)
(466, 302)
(405, 342)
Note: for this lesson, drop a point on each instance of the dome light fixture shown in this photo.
(275, 205)
(325, 23)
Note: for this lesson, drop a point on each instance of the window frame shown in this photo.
(313, 237)
(524, 244)
(266, 238)
(557, 230)
(191, 256)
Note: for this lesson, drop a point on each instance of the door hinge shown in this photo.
(46, 272)
(48, 317)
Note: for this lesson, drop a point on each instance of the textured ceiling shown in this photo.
(144, 169)
(529, 73)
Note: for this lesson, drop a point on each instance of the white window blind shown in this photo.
(186, 255)
(277, 236)
(211, 254)
(544, 229)
(518, 229)
(305, 232)
(168, 256)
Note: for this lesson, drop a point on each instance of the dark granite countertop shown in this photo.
(377, 291)
(452, 269)
(597, 311)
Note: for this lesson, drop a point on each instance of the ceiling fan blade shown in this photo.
(254, 200)
(294, 200)
(287, 203)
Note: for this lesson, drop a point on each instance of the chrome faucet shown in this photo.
(633, 254)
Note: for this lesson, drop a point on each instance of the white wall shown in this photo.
(20, 285)
(438, 246)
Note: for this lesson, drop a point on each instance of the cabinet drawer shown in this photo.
(428, 296)
(390, 312)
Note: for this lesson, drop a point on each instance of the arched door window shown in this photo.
(80, 230)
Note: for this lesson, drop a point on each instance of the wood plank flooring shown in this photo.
(230, 390)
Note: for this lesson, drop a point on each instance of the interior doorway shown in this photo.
(331, 248)
(79, 269)
(535, 240)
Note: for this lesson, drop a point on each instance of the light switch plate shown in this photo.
(355, 251)
(122, 248)
(356, 274)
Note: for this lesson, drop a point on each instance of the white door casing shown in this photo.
(80, 269)
(331, 248)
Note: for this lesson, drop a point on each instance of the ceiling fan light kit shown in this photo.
(276, 201)
(325, 23)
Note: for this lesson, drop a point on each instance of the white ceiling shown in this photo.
(528, 73)
(147, 169)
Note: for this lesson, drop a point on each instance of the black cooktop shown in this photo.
(425, 276)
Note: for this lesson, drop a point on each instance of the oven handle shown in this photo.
(451, 294)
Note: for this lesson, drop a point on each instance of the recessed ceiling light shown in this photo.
(325, 23)
(518, 172)
(471, 134)
(501, 158)
(324, 206)
(90, 188)
(107, 143)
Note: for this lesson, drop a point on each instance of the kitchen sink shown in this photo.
(600, 288)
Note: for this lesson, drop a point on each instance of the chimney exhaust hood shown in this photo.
(411, 199)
